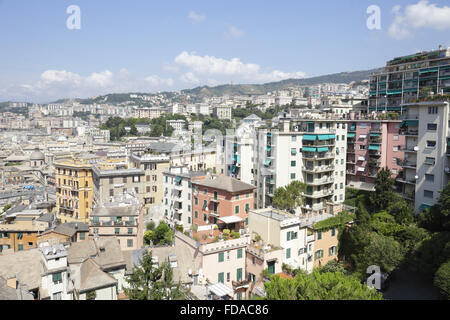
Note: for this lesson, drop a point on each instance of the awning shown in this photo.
(309, 122)
(375, 134)
(177, 179)
(362, 136)
(322, 149)
(331, 136)
(374, 147)
(309, 149)
(361, 158)
(424, 206)
(409, 123)
(309, 137)
(269, 148)
(221, 290)
(230, 219)
(323, 137)
(361, 169)
(351, 135)
(268, 161)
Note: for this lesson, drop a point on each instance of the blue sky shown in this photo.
(147, 46)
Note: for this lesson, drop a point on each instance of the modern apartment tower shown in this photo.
(406, 79)
(426, 166)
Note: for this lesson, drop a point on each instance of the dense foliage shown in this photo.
(149, 281)
(162, 235)
(319, 286)
(289, 197)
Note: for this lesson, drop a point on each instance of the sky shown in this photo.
(150, 46)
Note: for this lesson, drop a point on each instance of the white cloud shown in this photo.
(55, 84)
(234, 32)
(190, 78)
(195, 17)
(209, 65)
(416, 16)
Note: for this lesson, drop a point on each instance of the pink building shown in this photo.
(371, 146)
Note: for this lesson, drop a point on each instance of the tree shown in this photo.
(401, 212)
(162, 234)
(151, 282)
(442, 280)
(438, 217)
(383, 195)
(150, 225)
(333, 266)
(289, 197)
(319, 286)
(133, 130)
(381, 251)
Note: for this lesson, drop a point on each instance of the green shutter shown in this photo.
(221, 256)
(236, 209)
(239, 253)
(239, 274)
(221, 277)
(288, 253)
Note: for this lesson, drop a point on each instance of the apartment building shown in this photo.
(220, 201)
(403, 79)
(122, 218)
(426, 164)
(177, 125)
(325, 246)
(19, 236)
(279, 229)
(111, 181)
(371, 146)
(222, 112)
(312, 151)
(177, 205)
(149, 113)
(153, 167)
(199, 159)
(74, 190)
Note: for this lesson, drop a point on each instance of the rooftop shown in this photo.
(226, 183)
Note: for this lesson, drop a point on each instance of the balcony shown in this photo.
(351, 150)
(408, 181)
(318, 168)
(318, 194)
(318, 156)
(409, 132)
(351, 172)
(407, 164)
(240, 284)
(317, 182)
(410, 149)
(374, 153)
(374, 163)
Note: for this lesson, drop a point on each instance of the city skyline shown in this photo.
(174, 46)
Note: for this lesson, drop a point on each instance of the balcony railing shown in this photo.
(323, 155)
(320, 181)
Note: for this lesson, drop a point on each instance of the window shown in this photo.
(205, 217)
(205, 191)
(247, 207)
(196, 214)
(288, 253)
(239, 253)
(20, 247)
(432, 126)
(189, 220)
(396, 149)
(431, 144)
(221, 256)
(228, 277)
(333, 232)
(432, 110)
(237, 197)
(332, 251)
(57, 277)
(111, 192)
(220, 277)
(293, 163)
(196, 201)
(82, 235)
(319, 235)
(319, 254)
(428, 194)
(116, 230)
(239, 274)
(362, 147)
(56, 296)
(130, 230)
(293, 151)
(342, 185)
(294, 138)
(429, 160)
(189, 208)
(236, 209)
(395, 138)
(20, 236)
(429, 177)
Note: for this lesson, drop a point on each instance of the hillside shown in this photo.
(248, 89)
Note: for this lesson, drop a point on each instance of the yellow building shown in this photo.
(74, 190)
